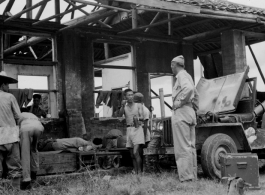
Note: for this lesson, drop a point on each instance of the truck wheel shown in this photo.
(213, 148)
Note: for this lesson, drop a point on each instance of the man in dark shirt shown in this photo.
(35, 108)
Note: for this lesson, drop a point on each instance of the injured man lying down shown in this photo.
(69, 143)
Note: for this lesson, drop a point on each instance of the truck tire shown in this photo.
(215, 146)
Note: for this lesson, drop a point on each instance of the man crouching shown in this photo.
(135, 135)
(30, 131)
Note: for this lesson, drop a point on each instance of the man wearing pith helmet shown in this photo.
(9, 139)
(185, 102)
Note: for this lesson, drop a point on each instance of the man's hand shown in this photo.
(123, 102)
(176, 104)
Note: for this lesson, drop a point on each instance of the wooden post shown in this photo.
(187, 50)
(57, 9)
(169, 26)
(28, 5)
(233, 52)
(106, 50)
(1, 51)
(134, 18)
(162, 106)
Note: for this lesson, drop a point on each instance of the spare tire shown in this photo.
(213, 148)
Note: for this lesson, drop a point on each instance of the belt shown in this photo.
(32, 119)
(132, 125)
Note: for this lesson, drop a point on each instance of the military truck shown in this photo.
(229, 120)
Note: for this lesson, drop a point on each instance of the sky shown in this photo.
(164, 82)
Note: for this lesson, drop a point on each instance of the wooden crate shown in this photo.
(55, 162)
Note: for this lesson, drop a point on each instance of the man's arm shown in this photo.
(121, 111)
(43, 114)
(15, 108)
(186, 91)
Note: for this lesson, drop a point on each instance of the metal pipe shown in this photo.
(260, 109)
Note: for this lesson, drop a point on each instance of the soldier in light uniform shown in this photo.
(185, 102)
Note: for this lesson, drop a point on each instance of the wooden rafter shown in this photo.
(66, 9)
(59, 15)
(28, 5)
(8, 6)
(152, 25)
(101, 5)
(37, 17)
(86, 13)
(25, 11)
(164, 5)
(153, 21)
(45, 55)
(90, 18)
(57, 9)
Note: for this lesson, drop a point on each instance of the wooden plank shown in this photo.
(91, 18)
(57, 168)
(28, 5)
(25, 11)
(164, 5)
(59, 15)
(27, 33)
(152, 25)
(101, 5)
(53, 157)
(29, 62)
(57, 9)
(114, 67)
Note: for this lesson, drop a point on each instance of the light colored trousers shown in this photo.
(183, 127)
(29, 135)
(11, 154)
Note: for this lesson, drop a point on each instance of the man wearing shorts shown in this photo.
(135, 133)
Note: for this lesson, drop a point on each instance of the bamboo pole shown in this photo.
(28, 5)
(153, 21)
(57, 9)
(134, 19)
(162, 106)
(1, 51)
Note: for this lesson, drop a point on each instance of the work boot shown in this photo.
(15, 182)
(25, 185)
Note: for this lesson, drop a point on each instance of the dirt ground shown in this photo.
(125, 183)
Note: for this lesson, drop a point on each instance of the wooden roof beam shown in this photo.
(164, 5)
(38, 15)
(86, 13)
(8, 6)
(205, 35)
(90, 18)
(59, 15)
(25, 11)
(152, 25)
(101, 5)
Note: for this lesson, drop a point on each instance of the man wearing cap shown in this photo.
(9, 139)
(35, 108)
(185, 102)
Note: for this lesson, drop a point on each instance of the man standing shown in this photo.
(135, 134)
(9, 139)
(30, 131)
(35, 108)
(185, 100)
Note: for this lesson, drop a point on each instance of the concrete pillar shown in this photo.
(187, 50)
(76, 77)
(233, 52)
(142, 76)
